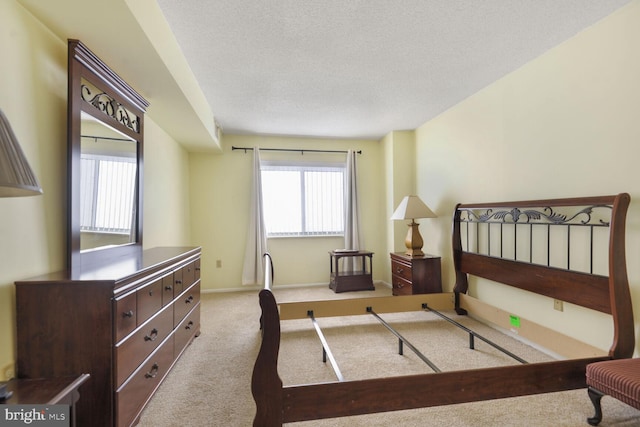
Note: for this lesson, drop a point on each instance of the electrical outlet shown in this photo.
(219, 263)
(557, 305)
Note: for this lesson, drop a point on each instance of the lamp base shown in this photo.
(414, 253)
(414, 242)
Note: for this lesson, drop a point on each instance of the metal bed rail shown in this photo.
(403, 341)
(473, 334)
(326, 351)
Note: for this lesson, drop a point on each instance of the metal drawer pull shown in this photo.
(189, 300)
(178, 282)
(168, 288)
(189, 325)
(399, 270)
(128, 313)
(152, 336)
(153, 372)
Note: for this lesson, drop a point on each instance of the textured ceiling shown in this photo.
(360, 68)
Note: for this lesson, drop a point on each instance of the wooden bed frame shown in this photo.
(500, 242)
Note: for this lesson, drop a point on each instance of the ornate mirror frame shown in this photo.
(97, 91)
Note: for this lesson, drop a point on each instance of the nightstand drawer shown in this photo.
(401, 286)
(401, 269)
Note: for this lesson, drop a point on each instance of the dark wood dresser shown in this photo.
(124, 321)
(415, 275)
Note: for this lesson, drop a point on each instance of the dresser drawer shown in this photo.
(196, 266)
(168, 286)
(132, 396)
(178, 284)
(401, 269)
(185, 302)
(132, 351)
(149, 300)
(125, 314)
(401, 286)
(187, 329)
(189, 274)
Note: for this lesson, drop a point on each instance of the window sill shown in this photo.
(306, 236)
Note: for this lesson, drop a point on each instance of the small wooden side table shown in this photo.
(343, 280)
(46, 391)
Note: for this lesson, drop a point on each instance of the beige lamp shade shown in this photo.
(16, 177)
(411, 207)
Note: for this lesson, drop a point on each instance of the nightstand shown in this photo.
(415, 275)
(47, 391)
(344, 280)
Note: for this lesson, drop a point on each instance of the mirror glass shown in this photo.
(105, 148)
(108, 168)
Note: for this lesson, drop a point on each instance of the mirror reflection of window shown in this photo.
(107, 192)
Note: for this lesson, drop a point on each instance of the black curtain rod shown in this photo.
(106, 138)
(300, 150)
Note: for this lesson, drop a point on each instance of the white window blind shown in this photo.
(303, 199)
(107, 193)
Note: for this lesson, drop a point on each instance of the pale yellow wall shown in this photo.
(220, 203)
(33, 95)
(400, 175)
(166, 200)
(403, 184)
(567, 124)
(388, 169)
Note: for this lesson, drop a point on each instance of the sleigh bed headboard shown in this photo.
(572, 250)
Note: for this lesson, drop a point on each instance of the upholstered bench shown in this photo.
(619, 378)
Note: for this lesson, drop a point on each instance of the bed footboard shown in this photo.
(277, 404)
(266, 385)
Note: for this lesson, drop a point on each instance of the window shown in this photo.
(303, 199)
(107, 193)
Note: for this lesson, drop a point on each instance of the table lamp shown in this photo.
(411, 207)
(16, 176)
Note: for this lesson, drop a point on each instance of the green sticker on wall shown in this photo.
(515, 321)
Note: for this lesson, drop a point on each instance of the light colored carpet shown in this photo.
(211, 383)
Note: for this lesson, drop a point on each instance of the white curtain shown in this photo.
(253, 271)
(352, 239)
